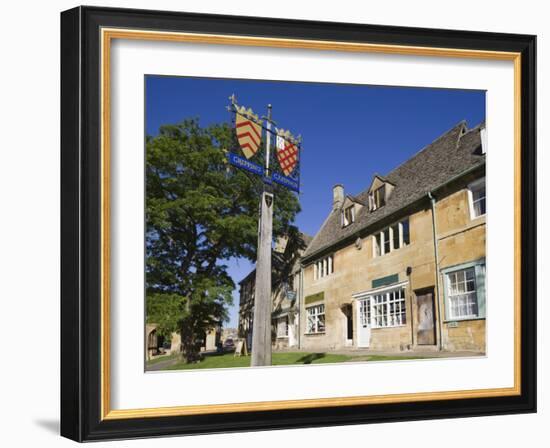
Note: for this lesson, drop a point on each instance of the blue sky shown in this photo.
(349, 132)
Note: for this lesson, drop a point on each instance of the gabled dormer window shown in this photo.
(348, 216)
(380, 191)
(380, 197)
(377, 198)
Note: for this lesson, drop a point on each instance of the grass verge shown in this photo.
(278, 359)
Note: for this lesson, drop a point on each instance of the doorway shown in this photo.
(347, 311)
(425, 315)
(363, 323)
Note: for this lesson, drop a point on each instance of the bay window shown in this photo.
(388, 309)
(384, 309)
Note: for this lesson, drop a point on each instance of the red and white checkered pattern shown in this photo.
(287, 155)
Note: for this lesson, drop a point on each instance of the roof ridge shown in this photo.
(385, 178)
(440, 137)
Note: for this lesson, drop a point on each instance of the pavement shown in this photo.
(408, 353)
(161, 365)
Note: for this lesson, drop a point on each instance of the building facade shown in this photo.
(401, 266)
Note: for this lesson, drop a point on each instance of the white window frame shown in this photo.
(400, 306)
(483, 135)
(314, 312)
(346, 222)
(473, 186)
(376, 247)
(450, 295)
(397, 318)
(282, 327)
(378, 194)
(382, 247)
(384, 242)
(324, 267)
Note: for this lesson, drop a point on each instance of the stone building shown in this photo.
(401, 266)
(286, 279)
(151, 341)
(210, 340)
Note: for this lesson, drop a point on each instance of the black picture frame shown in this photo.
(81, 224)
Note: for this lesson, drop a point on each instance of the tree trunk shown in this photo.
(190, 343)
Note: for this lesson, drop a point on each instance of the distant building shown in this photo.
(229, 333)
(151, 341)
(210, 340)
(286, 279)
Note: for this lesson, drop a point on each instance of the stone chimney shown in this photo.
(337, 196)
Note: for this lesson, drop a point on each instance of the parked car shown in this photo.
(229, 344)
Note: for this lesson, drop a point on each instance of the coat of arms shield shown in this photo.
(249, 134)
(287, 155)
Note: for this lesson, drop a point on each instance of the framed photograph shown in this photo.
(274, 223)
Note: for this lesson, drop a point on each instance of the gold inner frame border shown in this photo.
(107, 35)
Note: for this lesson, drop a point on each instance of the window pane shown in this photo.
(386, 240)
(462, 293)
(377, 244)
(478, 199)
(406, 235)
(310, 324)
(479, 193)
(395, 236)
(388, 308)
(479, 207)
(348, 216)
(381, 196)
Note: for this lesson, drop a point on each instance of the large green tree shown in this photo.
(200, 212)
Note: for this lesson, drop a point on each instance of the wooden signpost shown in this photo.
(248, 127)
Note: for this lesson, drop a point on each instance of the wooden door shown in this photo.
(425, 334)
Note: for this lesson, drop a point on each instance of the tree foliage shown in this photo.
(200, 212)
